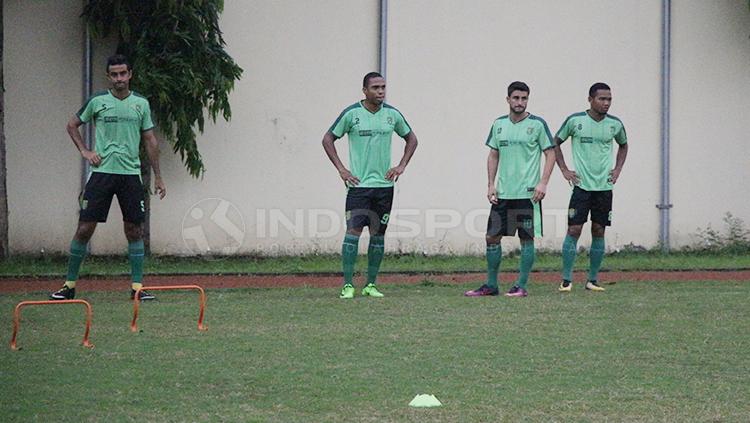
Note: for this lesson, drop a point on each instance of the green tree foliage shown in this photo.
(177, 51)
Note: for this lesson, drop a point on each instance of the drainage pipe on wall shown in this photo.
(664, 205)
(87, 133)
(383, 37)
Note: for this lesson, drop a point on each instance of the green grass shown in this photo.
(54, 266)
(661, 351)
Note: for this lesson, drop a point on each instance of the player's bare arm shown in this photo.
(549, 163)
(152, 149)
(72, 128)
(333, 156)
(622, 154)
(409, 149)
(493, 160)
(570, 175)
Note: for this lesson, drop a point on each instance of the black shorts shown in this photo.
(101, 187)
(369, 207)
(598, 202)
(509, 216)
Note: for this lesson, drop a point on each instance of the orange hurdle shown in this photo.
(136, 303)
(17, 318)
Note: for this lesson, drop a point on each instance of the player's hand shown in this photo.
(492, 195)
(394, 172)
(92, 157)
(539, 192)
(160, 188)
(614, 174)
(348, 178)
(571, 176)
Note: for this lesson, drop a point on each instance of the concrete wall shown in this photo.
(711, 110)
(269, 187)
(42, 68)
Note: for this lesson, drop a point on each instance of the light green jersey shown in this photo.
(119, 124)
(592, 147)
(370, 141)
(520, 146)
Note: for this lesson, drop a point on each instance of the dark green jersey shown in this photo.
(520, 146)
(592, 147)
(119, 124)
(370, 141)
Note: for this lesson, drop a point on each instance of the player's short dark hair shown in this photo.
(518, 86)
(368, 77)
(596, 87)
(118, 59)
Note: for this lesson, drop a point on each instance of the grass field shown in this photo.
(54, 266)
(660, 351)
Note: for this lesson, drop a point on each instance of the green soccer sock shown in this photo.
(136, 254)
(494, 256)
(528, 254)
(596, 256)
(569, 256)
(349, 256)
(374, 256)
(77, 254)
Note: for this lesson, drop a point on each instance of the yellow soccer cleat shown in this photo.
(565, 286)
(593, 286)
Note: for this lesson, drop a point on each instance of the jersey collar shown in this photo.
(130, 92)
(362, 103)
(515, 123)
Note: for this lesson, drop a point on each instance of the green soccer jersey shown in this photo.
(592, 147)
(520, 146)
(370, 141)
(119, 124)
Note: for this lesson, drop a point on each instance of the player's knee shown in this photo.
(597, 230)
(85, 231)
(354, 231)
(133, 231)
(493, 239)
(575, 231)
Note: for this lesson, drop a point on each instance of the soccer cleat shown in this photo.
(347, 292)
(371, 291)
(142, 295)
(593, 286)
(565, 286)
(482, 291)
(63, 293)
(517, 291)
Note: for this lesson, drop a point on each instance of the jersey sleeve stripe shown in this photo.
(565, 123)
(489, 138)
(352, 107)
(388, 106)
(623, 129)
(93, 96)
(544, 124)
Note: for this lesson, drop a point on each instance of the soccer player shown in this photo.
(123, 120)
(514, 189)
(592, 132)
(369, 124)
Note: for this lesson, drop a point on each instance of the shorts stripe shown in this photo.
(538, 229)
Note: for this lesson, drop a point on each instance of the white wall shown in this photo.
(450, 73)
(42, 68)
(710, 114)
(448, 67)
